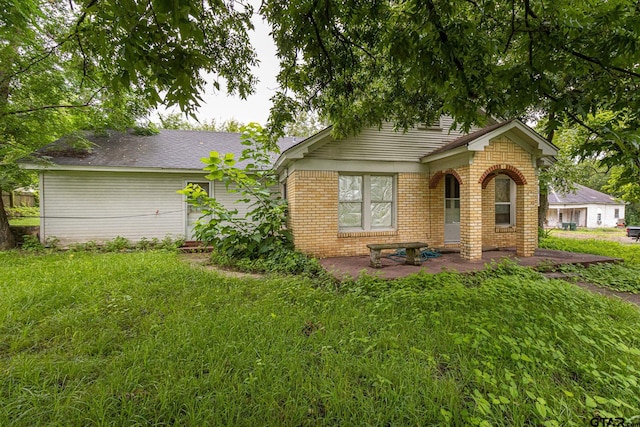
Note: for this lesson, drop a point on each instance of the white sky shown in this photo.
(256, 107)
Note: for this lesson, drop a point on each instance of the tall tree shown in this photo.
(94, 63)
(305, 124)
(361, 63)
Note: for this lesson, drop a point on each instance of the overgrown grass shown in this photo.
(619, 277)
(623, 277)
(629, 253)
(142, 338)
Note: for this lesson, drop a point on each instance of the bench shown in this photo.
(412, 248)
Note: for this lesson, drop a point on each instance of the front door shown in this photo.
(451, 209)
(194, 213)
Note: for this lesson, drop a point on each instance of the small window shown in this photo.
(366, 202)
(616, 213)
(505, 201)
(599, 218)
(560, 217)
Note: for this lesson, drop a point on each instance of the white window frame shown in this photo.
(190, 208)
(366, 203)
(511, 202)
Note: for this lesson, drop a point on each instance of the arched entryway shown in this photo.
(508, 202)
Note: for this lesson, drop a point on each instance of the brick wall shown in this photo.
(313, 214)
(524, 236)
(313, 208)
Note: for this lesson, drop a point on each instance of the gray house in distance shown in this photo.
(586, 208)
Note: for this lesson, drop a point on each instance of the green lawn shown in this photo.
(144, 339)
(24, 221)
(630, 253)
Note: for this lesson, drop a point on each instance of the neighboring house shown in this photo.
(585, 207)
(429, 184)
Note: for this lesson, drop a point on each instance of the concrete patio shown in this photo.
(344, 267)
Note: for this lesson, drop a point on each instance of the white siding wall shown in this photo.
(607, 215)
(588, 215)
(84, 206)
(388, 145)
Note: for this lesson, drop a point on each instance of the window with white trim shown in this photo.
(366, 202)
(616, 213)
(505, 201)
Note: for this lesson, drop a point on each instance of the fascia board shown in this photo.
(75, 168)
(298, 151)
(432, 158)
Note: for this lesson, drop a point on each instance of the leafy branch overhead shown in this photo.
(410, 61)
(98, 64)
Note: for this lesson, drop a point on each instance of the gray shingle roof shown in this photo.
(169, 149)
(582, 196)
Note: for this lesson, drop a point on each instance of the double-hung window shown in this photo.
(366, 202)
(505, 201)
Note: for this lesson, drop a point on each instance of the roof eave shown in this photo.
(84, 168)
(299, 150)
(546, 149)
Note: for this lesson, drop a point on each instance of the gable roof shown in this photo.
(169, 149)
(474, 141)
(514, 129)
(582, 196)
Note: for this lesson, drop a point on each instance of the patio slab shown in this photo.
(344, 267)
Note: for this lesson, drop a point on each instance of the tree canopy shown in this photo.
(92, 64)
(360, 63)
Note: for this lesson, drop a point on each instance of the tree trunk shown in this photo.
(7, 241)
(543, 207)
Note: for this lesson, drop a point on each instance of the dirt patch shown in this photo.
(202, 260)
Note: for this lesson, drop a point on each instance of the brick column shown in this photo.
(526, 219)
(471, 219)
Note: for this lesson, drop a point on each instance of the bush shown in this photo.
(283, 261)
(261, 231)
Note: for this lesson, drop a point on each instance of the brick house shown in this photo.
(430, 184)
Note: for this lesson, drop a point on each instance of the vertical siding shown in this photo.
(83, 206)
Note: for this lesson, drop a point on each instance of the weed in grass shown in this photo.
(32, 243)
(142, 338)
(117, 244)
(619, 277)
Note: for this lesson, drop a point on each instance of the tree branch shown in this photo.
(53, 107)
(598, 62)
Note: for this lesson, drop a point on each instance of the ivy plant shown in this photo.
(262, 229)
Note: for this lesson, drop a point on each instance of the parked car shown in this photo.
(633, 231)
